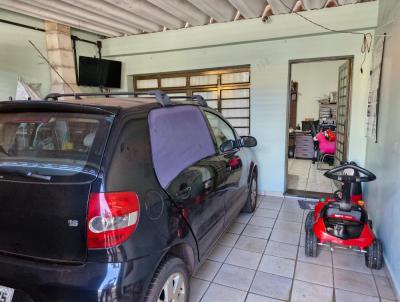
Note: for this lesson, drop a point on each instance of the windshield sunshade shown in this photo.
(179, 137)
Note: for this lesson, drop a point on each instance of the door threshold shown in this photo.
(308, 194)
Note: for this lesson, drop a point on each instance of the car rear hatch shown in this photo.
(48, 161)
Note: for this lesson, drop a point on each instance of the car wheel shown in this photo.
(170, 282)
(311, 247)
(251, 202)
(309, 221)
(374, 255)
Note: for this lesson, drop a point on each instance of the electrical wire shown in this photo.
(323, 26)
(366, 48)
(367, 37)
(52, 67)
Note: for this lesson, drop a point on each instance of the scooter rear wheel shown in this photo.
(309, 221)
(311, 247)
(374, 255)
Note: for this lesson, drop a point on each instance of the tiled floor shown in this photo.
(261, 259)
(303, 175)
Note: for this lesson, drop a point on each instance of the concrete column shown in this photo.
(61, 56)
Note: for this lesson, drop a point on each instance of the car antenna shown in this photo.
(52, 67)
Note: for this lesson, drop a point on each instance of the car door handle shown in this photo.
(184, 193)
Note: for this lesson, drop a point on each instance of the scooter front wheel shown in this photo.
(311, 244)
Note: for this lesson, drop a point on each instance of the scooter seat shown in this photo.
(332, 212)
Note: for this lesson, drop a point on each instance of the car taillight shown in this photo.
(112, 218)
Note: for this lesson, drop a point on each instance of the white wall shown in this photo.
(18, 58)
(258, 44)
(383, 158)
(315, 81)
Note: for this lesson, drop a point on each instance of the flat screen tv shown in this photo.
(99, 72)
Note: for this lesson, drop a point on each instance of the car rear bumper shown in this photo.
(49, 282)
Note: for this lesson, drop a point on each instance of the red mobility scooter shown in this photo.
(342, 222)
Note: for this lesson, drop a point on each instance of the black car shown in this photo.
(115, 198)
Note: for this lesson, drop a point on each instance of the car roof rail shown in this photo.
(160, 96)
(199, 99)
(196, 98)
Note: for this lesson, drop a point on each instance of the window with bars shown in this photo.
(226, 90)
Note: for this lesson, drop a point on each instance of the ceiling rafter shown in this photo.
(249, 9)
(149, 11)
(82, 14)
(112, 18)
(115, 12)
(183, 10)
(219, 10)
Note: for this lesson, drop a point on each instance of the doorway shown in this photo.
(318, 123)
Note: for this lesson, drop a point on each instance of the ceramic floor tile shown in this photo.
(291, 216)
(257, 298)
(251, 244)
(266, 213)
(271, 286)
(384, 288)
(346, 296)
(270, 204)
(208, 270)
(235, 277)
(243, 258)
(355, 282)
(262, 221)
(244, 217)
(313, 273)
(228, 239)
(219, 253)
(324, 258)
(308, 292)
(257, 231)
(380, 272)
(288, 226)
(350, 262)
(291, 205)
(221, 293)
(280, 249)
(197, 289)
(277, 266)
(236, 228)
(285, 236)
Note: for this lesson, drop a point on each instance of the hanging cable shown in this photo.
(366, 48)
(323, 26)
(367, 37)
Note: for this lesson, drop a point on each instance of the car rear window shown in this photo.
(55, 147)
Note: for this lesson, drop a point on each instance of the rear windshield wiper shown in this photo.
(27, 174)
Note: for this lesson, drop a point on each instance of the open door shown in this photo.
(342, 123)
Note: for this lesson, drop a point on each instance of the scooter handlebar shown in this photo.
(332, 174)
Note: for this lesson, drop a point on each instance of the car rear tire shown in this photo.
(309, 221)
(170, 282)
(374, 255)
(251, 202)
(311, 246)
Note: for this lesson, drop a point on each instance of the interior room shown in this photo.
(313, 109)
(199, 150)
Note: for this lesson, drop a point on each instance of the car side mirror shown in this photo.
(248, 141)
(227, 146)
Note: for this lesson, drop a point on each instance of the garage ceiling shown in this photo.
(113, 18)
